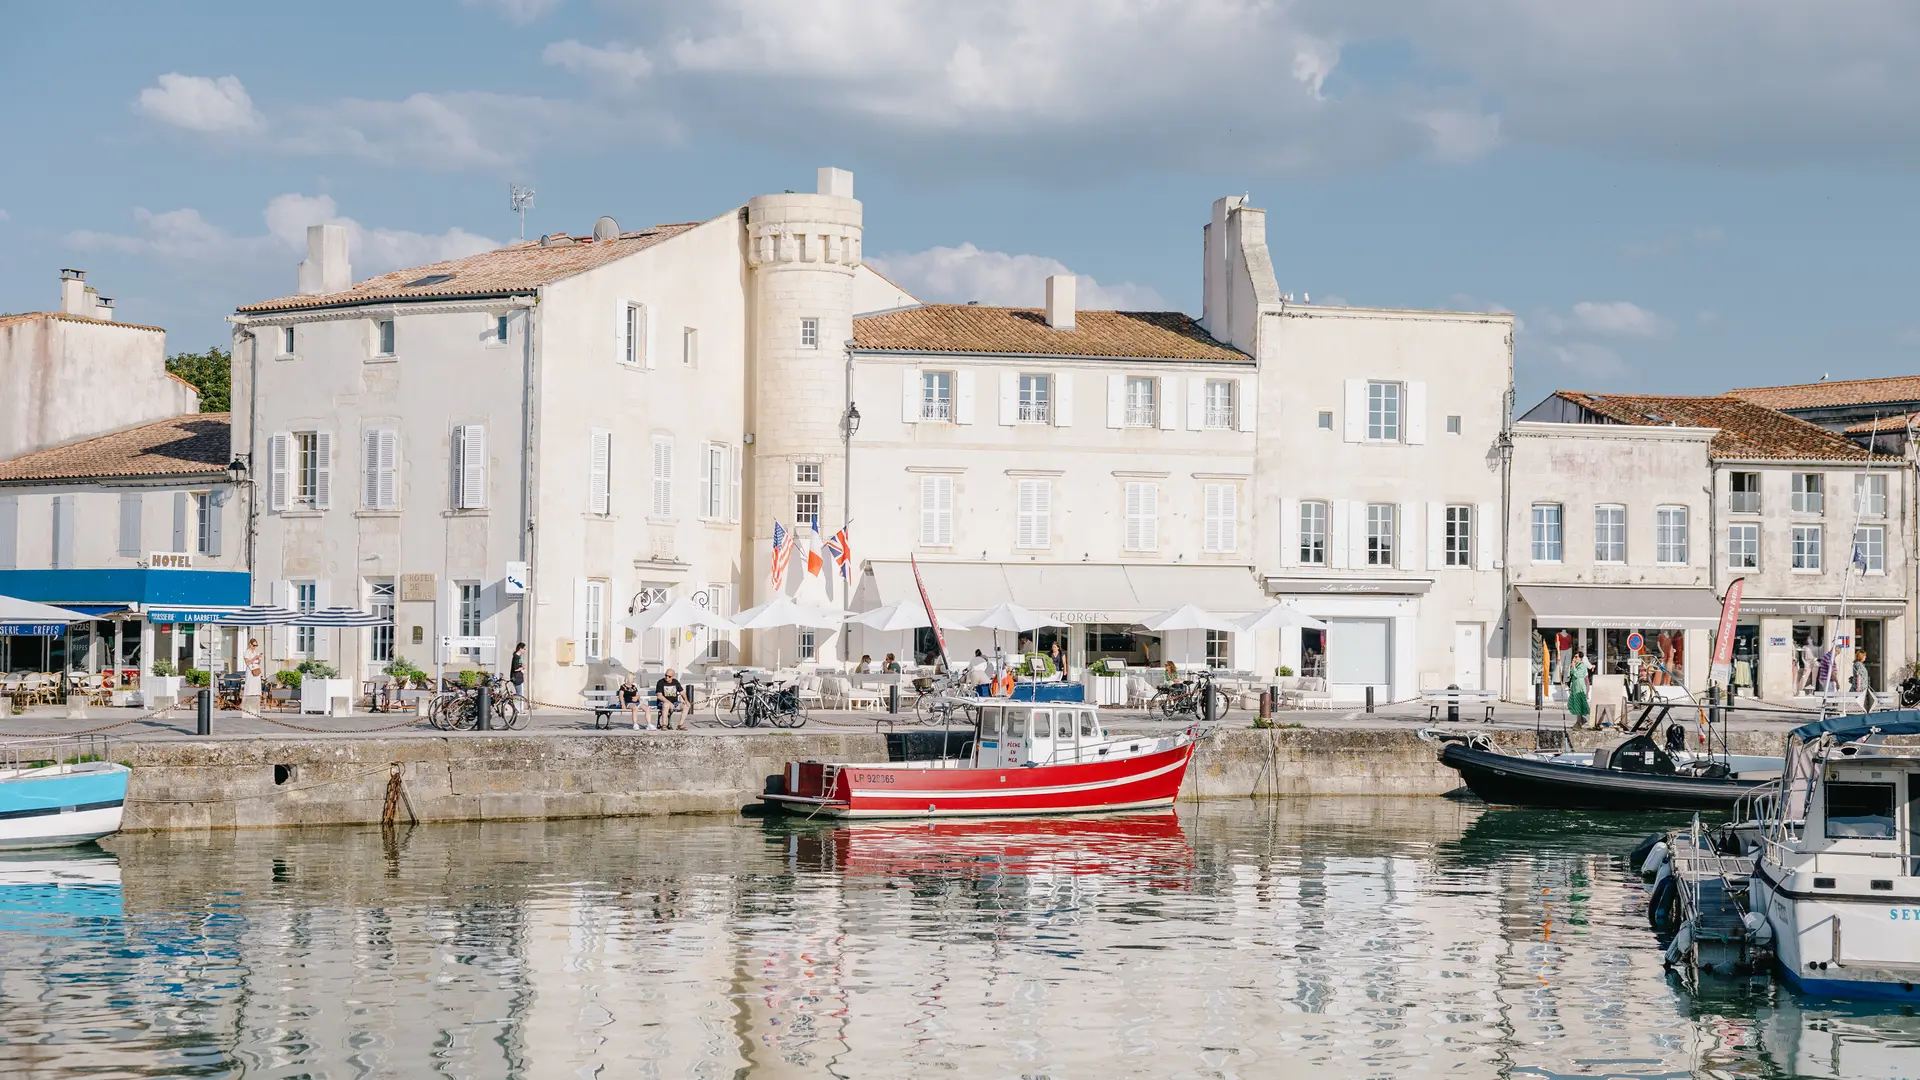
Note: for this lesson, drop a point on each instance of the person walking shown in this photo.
(1578, 677)
(1862, 680)
(1059, 657)
(517, 671)
(1809, 666)
(980, 674)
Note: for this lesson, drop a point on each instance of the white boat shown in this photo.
(1838, 874)
(58, 793)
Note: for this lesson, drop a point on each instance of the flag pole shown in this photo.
(939, 636)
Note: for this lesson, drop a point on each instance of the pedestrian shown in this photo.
(517, 671)
(1578, 675)
(1809, 666)
(1824, 673)
(630, 700)
(1059, 657)
(980, 674)
(1862, 680)
(671, 698)
(891, 665)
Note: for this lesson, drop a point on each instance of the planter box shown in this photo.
(317, 695)
(160, 691)
(1105, 689)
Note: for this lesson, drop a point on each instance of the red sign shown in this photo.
(1723, 642)
(932, 619)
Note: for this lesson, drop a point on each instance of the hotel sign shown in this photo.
(169, 560)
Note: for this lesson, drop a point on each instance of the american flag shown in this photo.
(782, 550)
(841, 550)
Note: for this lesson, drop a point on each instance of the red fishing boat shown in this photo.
(1026, 759)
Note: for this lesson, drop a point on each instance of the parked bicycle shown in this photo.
(755, 702)
(944, 701)
(1188, 698)
(457, 708)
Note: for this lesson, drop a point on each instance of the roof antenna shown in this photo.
(522, 200)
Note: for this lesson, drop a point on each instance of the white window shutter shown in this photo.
(650, 355)
(1244, 405)
(1062, 386)
(1354, 426)
(473, 467)
(216, 513)
(1337, 522)
(963, 396)
(1436, 535)
(580, 620)
(620, 332)
(1289, 532)
(370, 469)
(1150, 512)
(736, 459)
(1043, 513)
(599, 466)
(929, 509)
(1009, 397)
(323, 470)
(280, 638)
(322, 637)
(1416, 413)
(1116, 401)
(706, 481)
(179, 521)
(389, 468)
(1196, 404)
(945, 487)
(1169, 393)
(279, 469)
(1486, 533)
(910, 396)
(662, 477)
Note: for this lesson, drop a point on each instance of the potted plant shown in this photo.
(1106, 683)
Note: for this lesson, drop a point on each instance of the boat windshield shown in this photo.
(1086, 725)
(990, 723)
(1859, 811)
(1065, 726)
(1017, 724)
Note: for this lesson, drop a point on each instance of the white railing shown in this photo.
(1143, 416)
(1219, 416)
(1035, 412)
(939, 409)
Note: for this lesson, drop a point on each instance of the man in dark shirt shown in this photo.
(670, 696)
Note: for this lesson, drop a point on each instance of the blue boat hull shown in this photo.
(62, 805)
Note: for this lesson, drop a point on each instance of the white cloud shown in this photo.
(1616, 317)
(448, 131)
(1458, 136)
(1588, 362)
(959, 274)
(519, 12)
(197, 103)
(618, 67)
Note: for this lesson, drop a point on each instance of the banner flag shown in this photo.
(1723, 641)
(939, 636)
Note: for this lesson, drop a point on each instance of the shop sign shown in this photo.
(1079, 616)
(169, 560)
(1855, 608)
(166, 615)
(33, 629)
(417, 588)
(1361, 586)
(514, 581)
(1776, 643)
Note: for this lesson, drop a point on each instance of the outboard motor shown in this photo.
(1676, 738)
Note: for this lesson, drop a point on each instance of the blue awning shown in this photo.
(133, 585)
(1860, 725)
(96, 609)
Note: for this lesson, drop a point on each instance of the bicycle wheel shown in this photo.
(1168, 705)
(440, 713)
(727, 707)
(1220, 703)
(788, 719)
(465, 712)
(507, 713)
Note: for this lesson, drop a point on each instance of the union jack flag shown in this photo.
(841, 550)
(782, 551)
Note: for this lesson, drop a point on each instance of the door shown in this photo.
(1040, 742)
(1469, 655)
(1358, 656)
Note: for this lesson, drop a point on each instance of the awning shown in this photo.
(1071, 592)
(97, 610)
(1621, 608)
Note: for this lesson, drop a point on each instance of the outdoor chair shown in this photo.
(809, 687)
(1139, 692)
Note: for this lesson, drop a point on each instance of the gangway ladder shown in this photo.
(1712, 890)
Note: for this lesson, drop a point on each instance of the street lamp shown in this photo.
(237, 471)
(850, 423)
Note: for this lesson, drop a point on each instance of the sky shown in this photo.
(1670, 197)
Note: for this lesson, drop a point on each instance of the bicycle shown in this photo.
(762, 703)
(939, 701)
(1187, 698)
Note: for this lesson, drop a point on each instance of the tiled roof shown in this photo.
(967, 328)
(26, 316)
(196, 444)
(1746, 430)
(1886, 425)
(1816, 395)
(510, 269)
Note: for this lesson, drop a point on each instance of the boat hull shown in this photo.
(61, 806)
(1808, 929)
(906, 789)
(1506, 780)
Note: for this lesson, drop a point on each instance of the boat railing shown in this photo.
(21, 754)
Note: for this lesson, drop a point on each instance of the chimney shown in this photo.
(325, 269)
(73, 293)
(103, 308)
(1060, 301)
(836, 182)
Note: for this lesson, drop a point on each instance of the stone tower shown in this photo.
(803, 250)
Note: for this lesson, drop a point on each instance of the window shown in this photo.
(1313, 534)
(1743, 492)
(1036, 399)
(1546, 532)
(806, 473)
(467, 618)
(203, 522)
(1808, 498)
(1326, 420)
(690, 347)
(713, 483)
(286, 341)
(380, 599)
(593, 609)
(936, 395)
(469, 467)
(1670, 535)
(1743, 547)
(1034, 516)
(1219, 648)
(936, 511)
(1383, 412)
(600, 473)
(806, 509)
(1806, 547)
(306, 597)
(1219, 407)
(383, 333)
(1140, 402)
(1870, 549)
(807, 644)
(311, 475)
(1859, 811)
(379, 469)
(1221, 516)
(809, 333)
(1382, 530)
(662, 476)
(1610, 534)
(1870, 495)
(1453, 425)
(1143, 515)
(1457, 543)
(715, 641)
(500, 329)
(633, 334)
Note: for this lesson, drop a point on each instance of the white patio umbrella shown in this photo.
(13, 609)
(1012, 618)
(784, 611)
(258, 615)
(1188, 617)
(905, 615)
(1278, 617)
(679, 615)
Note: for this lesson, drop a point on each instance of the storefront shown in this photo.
(1790, 636)
(139, 616)
(1369, 642)
(1674, 627)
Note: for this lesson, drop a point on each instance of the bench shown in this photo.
(1440, 699)
(604, 704)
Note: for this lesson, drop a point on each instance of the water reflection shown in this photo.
(1332, 937)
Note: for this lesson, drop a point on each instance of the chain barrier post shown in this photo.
(204, 714)
(483, 700)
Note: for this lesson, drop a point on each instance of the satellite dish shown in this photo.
(606, 229)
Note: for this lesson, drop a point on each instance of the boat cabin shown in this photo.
(1866, 804)
(1017, 735)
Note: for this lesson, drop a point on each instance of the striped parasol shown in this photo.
(337, 617)
(259, 615)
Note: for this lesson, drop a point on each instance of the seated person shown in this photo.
(629, 698)
(890, 666)
(1174, 681)
(865, 666)
(672, 697)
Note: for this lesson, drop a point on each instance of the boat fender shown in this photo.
(1660, 906)
(1638, 857)
(1663, 873)
(1758, 928)
(1656, 859)
(1682, 943)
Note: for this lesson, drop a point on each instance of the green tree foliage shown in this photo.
(210, 372)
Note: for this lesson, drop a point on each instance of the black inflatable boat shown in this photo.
(1633, 775)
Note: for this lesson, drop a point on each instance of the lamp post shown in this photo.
(849, 426)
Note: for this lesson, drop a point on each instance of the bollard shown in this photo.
(893, 698)
(1266, 704)
(484, 702)
(1206, 704)
(1369, 699)
(1453, 703)
(204, 725)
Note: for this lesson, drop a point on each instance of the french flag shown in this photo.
(813, 552)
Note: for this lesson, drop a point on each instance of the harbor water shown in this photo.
(1294, 937)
